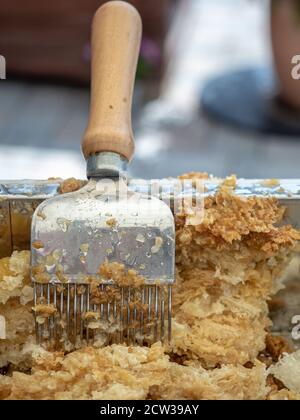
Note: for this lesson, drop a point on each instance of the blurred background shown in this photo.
(217, 88)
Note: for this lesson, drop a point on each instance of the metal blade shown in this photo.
(75, 233)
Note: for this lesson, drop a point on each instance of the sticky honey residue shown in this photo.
(39, 274)
(230, 182)
(270, 183)
(112, 222)
(71, 185)
(194, 176)
(38, 245)
(90, 316)
(158, 244)
(84, 248)
(41, 215)
(117, 272)
(44, 310)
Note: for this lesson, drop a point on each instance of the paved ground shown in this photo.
(41, 126)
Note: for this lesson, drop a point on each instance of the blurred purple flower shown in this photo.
(86, 52)
(150, 51)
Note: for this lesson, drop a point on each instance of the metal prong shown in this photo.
(156, 312)
(102, 304)
(88, 309)
(81, 313)
(128, 316)
(169, 313)
(143, 298)
(68, 310)
(108, 322)
(48, 294)
(121, 326)
(134, 322)
(162, 314)
(115, 319)
(149, 310)
(61, 309)
(131, 318)
(41, 327)
(75, 314)
(35, 303)
(35, 293)
(55, 315)
(50, 319)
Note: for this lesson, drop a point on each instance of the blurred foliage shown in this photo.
(149, 60)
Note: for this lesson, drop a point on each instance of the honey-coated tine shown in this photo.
(78, 332)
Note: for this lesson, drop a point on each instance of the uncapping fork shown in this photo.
(76, 234)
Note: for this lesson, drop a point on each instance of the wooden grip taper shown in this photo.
(116, 40)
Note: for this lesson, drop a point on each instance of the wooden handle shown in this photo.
(116, 40)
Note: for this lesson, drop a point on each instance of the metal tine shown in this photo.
(162, 315)
(149, 329)
(75, 313)
(92, 333)
(102, 304)
(49, 321)
(81, 311)
(62, 308)
(95, 307)
(156, 313)
(143, 299)
(121, 326)
(41, 327)
(108, 318)
(77, 303)
(68, 310)
(134, 318)
(128, 316)
(55, 315)
(115, 311)
(35, 303)
(169, 312)
(87, 309)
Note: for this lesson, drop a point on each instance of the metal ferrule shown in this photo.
(107, 165)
